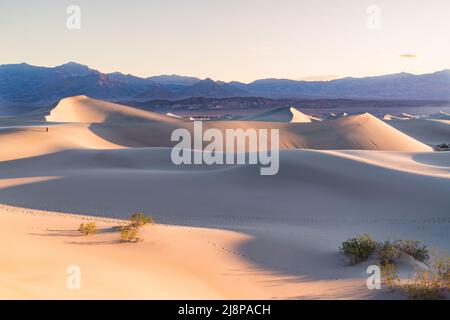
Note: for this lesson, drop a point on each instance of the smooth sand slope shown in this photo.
(430, 131)
(391, 117)
(225, 231)
(88, 110)
(170, 263)
(283, 115)
(362, 132)
(289, 225)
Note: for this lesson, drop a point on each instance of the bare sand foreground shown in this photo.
(223, 231)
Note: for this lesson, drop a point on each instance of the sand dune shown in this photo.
(158, 268)
(356, 132)
(430, 131)
(440, 116)
(225, 231)
(87, 110)
(282, 115)
(330, 116)
(360, 132)
(170, 263)
(29, 141)
(170, 114)
(363, 132)
(391, 117)
(314, 172)
(409, 116)
(388, 195)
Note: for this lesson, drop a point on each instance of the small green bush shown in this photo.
(358, 249)
(139, 219)
(129, 233)
(413, 248)
(388, 252)
(88, 228)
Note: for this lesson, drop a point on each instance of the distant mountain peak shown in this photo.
(211, 88)
(75, 68)
(206, 82)
(174, 79)
(72, 64)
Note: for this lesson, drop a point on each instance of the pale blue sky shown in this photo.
(230, 39)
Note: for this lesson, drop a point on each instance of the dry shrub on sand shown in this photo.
(88, 228)
(425, 284)
(139, 219)
(130, 232)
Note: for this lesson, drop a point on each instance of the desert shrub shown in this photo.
(425, 285)
(88, 228)
(358, 249)
(361, 248)
(413, 248)
(389, 275)
(387, 252)
(433, 283)
(139, 219)
(129, 233)
(440, 265)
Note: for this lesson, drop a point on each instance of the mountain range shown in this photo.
(25, 87)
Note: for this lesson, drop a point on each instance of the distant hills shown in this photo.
(404, 86)
(24, 86)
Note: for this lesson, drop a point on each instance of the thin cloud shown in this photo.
(409, 56)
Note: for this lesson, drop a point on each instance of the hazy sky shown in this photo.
(232, 39)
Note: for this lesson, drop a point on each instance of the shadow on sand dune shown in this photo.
(296, 219)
